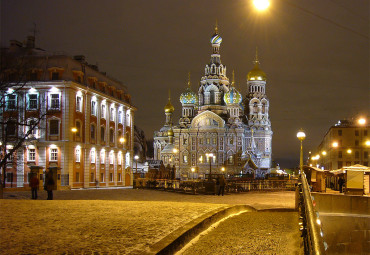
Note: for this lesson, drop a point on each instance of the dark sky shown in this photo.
(315, 53)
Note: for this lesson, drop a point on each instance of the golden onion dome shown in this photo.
(256, 74)
(170, 132)
(169, 107)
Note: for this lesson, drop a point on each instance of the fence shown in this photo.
(199, 186)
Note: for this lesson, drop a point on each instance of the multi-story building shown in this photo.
(85, 119)
(217, 129)
(346, 143)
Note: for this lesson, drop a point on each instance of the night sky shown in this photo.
(315, 53)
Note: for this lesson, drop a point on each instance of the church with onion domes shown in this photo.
(219, 129)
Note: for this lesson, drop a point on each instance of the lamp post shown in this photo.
(193, 170)
(301, 136)
(210, 156)
(136, 159)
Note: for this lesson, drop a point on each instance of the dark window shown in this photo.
(54, 127)
(357, 133)
(12, 102)
(79, 79)
(340, 164)
(102, 135)
(366, 155)
(356, 143)
(340, 132)
(32, 101)
(348, 163)
(339, 154)
(365, 132)
(366, 163)
(357, 154)
(55, 76)
(111, 135)
(11, 128)
(78, 127)
(92, 131)
(33, 76)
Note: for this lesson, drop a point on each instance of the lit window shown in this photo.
(111, 114)
(185, 159)
(92, 156)
(11, 128)
(103, 111)
(119, 158)
(230, 159)
(54, 101)
(102, 156)
(32, 102)
(201, 159)
(93, 108)
(214, 140)
(111, 157)
(53, 154)
(208, 141)
(78, 154)
(79, 103)
(119, 116)
(54, 127)
(31, 155)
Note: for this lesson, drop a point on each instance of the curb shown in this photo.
(177, 239)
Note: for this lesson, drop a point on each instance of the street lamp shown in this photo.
(136, 159)
(74, 130)
(193, 170)
(301, 136)
(261, 5)
(210, 156)
(122, 140)
(362, 121)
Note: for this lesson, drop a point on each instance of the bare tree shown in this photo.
(16, 71)
(140, 145)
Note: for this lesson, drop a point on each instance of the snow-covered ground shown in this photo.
(116, 221)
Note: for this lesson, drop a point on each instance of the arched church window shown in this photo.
(255, 107)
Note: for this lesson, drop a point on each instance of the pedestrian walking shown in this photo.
(341, 184)
(222, 185)
(34, 184)
(49, 185)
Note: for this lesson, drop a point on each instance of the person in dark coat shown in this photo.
(222, 185)
(34, 184)
(49, 185)
(341, 184)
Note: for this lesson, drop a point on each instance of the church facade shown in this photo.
(219, 130)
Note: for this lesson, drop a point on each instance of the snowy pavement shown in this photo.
(117, 221)
(251, 233)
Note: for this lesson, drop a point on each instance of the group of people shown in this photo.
(48, 185)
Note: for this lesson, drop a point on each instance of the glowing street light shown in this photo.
(323, 153)
(367, 143)
(136, 157)
(335, 144)
(349, 151)
(74, 130)
(193, 170)
(261, 5)
(122, 140)
(362, 121)
(301, 136)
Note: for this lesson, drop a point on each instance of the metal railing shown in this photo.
(311, 224)
(199, 186)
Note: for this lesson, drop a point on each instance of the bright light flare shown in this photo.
(335, 144)
(261, 5)
(362, 121)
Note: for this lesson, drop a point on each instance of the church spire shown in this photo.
(216, 27)
(189, 82)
